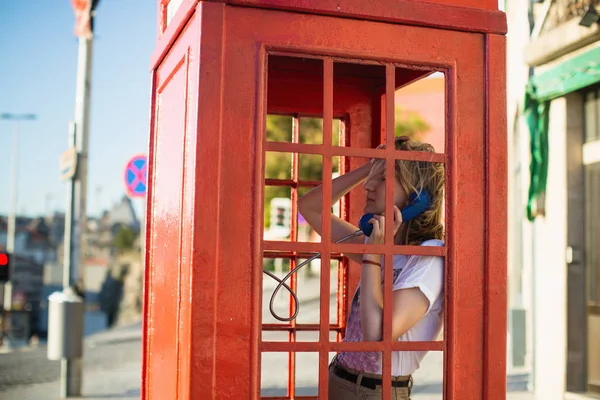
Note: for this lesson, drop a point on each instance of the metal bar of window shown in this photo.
(326, 225)
(390, 171)
(290, 183)
(293, 260)
(350, 346)
(434, 251)
(288, 254)
(343, 265)
(304, 148)
(450, 195)
(297, 327)
(340, 319)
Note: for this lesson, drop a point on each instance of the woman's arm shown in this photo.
(311, 206)
(409, 304)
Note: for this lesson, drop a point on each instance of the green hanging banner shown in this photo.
(537, 116)
(570, 76)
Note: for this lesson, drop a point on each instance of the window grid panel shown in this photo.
(331, 251)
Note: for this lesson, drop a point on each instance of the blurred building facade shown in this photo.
(553, 77)
(39, 265)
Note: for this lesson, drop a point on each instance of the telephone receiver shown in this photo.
(419, 203)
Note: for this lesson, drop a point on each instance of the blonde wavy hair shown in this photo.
(414, 177)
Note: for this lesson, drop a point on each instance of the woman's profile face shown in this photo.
(375, 194)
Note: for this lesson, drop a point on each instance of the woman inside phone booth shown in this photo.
(418, 281)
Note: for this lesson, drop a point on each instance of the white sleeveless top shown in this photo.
(423, 272)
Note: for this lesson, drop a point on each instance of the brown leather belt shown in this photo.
(370, 383)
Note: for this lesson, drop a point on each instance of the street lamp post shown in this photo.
(12, 217)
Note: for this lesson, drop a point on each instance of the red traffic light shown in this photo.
(4, 270)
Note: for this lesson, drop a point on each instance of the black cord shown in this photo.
(289, 289)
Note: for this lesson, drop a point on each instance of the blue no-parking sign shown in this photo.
(136, 176)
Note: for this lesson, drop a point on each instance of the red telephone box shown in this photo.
(220, 67)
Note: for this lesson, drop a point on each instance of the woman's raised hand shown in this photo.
(378, 222)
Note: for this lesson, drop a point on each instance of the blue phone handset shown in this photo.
(419, 203)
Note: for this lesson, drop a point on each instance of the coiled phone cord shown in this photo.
(365, 229)
(289, 289)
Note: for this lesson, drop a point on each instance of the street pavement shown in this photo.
(112, 365)
(112, 362)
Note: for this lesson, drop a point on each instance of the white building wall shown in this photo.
(536, 251)
(550, 270)
(519, 236)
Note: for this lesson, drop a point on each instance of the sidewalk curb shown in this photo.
(118, 334)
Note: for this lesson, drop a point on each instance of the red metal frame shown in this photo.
(202, 327)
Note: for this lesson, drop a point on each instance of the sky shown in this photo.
(38, 69)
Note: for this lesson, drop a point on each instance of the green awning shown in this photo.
(572, 75)
(569, 76)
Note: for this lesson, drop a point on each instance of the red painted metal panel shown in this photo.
(146, 355)
(167, 292)
(207, 331)
(465, 223)
(496, 215)
(486, 4)
(167, 36)
(239, 256)
(355, 84)
(486, 19)
(300, 4)
(188, 213)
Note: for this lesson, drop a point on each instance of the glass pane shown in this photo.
(279, 128)
(421, 111)
(172, 8)
(311, 130)
(274, 377)
(307, 374)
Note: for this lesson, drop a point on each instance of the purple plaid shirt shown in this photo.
(423, 272)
